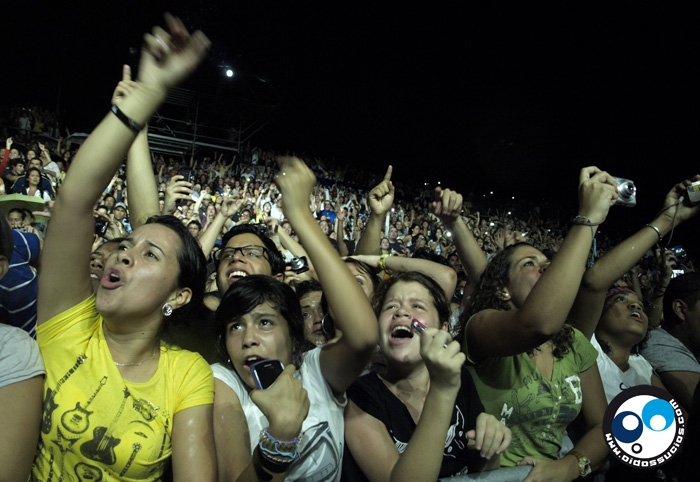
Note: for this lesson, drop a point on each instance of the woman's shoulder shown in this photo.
(184, 363)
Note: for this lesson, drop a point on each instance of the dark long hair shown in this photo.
(495, 277)
(247, 293)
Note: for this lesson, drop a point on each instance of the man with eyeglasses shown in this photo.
(247, 249)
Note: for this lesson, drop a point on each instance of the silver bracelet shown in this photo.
(658, 232)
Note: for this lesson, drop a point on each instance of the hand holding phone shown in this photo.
(285, 403)
(266, 372)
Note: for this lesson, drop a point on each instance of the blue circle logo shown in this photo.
(644, 426)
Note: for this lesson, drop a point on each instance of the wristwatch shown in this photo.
(584, 463)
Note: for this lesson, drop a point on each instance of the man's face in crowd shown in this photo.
(324, 226)
(393, 234)
(18, 169)
(245, 217)
(14, 154)
(119, 213)
(237, 266)
(15, 219)
(35, 163)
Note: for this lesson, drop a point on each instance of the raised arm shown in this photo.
(537, 315)
(341, 362)
(165, 61)
(597, 280)
(381, 197)
(443, 275)
(139, 169)
(208, 238)
(448, 207)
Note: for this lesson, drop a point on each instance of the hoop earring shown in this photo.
(167, 309)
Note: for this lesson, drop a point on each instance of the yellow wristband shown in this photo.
(382, 262)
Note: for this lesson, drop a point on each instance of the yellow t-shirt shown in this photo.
(98, 426)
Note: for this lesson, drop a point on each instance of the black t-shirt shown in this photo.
(371, 395)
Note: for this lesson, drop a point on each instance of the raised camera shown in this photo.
(694, 193)
(626, 192)
(299, 264)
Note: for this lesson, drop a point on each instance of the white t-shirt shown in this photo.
(323, 431)
(614, 379)
(20, 358)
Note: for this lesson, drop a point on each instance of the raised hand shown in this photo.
(597, 192)
(231, 206)
(177, 190)
(676, 210)
(168, 58)
(447, 205)
(381, 197)
(295, 181)
(124, 87)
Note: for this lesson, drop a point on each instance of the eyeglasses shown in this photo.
(250, 251)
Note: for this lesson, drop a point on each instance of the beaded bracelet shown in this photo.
(658, 232)
(126, 120)
(270, 445)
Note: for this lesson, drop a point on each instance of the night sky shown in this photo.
(513, 99)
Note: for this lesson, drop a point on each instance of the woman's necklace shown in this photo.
(137, 364)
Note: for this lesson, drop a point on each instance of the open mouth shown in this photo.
(237, 274)
(400, 332)
(249, 360)
(637, 316)
(111, 279)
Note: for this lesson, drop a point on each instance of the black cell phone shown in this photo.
(266, 372)
(101, 226)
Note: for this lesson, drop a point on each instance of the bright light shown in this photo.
(229, 73)
(491, 192)
(508, 213)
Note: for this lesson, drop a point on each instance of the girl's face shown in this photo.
(267, 207)
(363, 280)
(141, 275)
(403, 302)
(623, 315)
(260, 334)
(385, 243)
(33, 178)
(527, 265)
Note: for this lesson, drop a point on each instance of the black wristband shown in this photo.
(269, 464)
(126, 120)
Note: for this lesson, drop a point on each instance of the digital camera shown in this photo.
(299, 264)
(694, 193)
(626, 192)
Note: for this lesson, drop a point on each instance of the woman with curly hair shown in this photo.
(531, 370)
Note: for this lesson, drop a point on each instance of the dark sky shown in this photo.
(511, 99)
